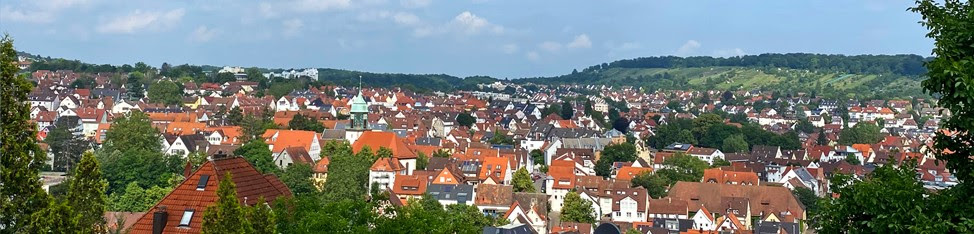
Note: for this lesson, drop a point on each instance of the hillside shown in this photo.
(831, 75)
(416, 82)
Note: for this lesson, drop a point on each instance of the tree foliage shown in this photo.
(20, 194)
(576, 209)
(301, 122)
(522, 181)
(258, 154)
(132, 153)
(348, 174)
(862, 133)
(65, 146)
(226, 215)
(166, 92)
(297, 177)
(136, 199)
(623, 152)
(465, 119)
(87, 194)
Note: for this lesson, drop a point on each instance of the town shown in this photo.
(533, 158)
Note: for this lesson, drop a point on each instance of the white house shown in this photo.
(704, 220)
(629, 205)
(383, 173)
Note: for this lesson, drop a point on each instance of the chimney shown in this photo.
(159, 219)
(188, 170)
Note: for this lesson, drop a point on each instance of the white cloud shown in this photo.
(319, 5)
(38, 11)
(581, 41)
(203, 34)
(407, 19)
(729, 52)
(469, 23)
(688, 48)
(292, 27)
(510, 48)
(266, 10)
(139, 20)
(533, 56)
(415, 3)
(550, 46)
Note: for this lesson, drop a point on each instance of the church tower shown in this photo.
(359, 118)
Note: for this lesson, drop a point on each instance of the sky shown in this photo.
(503, 39)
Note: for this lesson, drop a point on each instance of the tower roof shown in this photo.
(359, 105)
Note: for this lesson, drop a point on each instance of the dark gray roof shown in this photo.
(510, 229)
(461, 193)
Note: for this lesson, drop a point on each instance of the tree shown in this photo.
(621, 124)
(440, 153)
(501, 138)
(258, 154)
(821, 137)
(735, 144)
(166, 92)
(21, 194)
(852, 159)
(64, 145)
(827, 118)
(537, 156)
(235, 117)
(862, 133)
(720, 162)
(135, 198)
(226, 215)
(87, 194)
(805, 126)
(56, 218)
(421, 161)
(301, 122)
(522, 181)
(348, 173)
(297, 177)
(465, 119)
(133, 132)
(261, 218)
(254, 74)
(808, 198)
(567, 111)
(683, 167)
(134, 85)
(588, 107)
(655, 184)
(576, 209)
(623, 152)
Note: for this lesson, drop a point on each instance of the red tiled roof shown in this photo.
(389, 140)
(251, 185)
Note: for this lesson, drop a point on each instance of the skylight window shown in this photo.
(187, 216)
(202, 184)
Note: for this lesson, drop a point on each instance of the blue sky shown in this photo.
(458, 37)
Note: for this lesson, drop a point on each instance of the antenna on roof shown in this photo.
(360, 83)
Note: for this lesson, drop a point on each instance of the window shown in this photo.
(187, 216)
(202, 184)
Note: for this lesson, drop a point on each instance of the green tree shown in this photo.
(56, 218)
(64, 145)
(522, 181)
(235, 117)
(166, 92)
(348, 174)
(633, 231)
(261, 218)
(805, 126)
(683, 167)
(862, 133)
(852, 159)
(808, 198)
(297, 177)
(254, 74)
(537, 156)
(501, 138)
(136, 199)
(21, 194)
(567, 111)
(465, 119)
(719, 162)
(655, 184)
(821, 138)
(735, 144)
(576, 209)
(301, 122)
(421, 161)
(87, 194)
(133, 132)
(441, 154)
(258, 154)
(226, 215)
(134, 85)
(623, 152)
(588, 107)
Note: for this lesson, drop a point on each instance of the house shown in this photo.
(384, 171)
(184, 145)
(560, 180)
(767, 199)
(530, 209)
(706, 154)
(668, 208)
(389, 140)
(181, 211)
(292, 155)
(629, 205)
(409, 187)
(320, 171)
(494, 199)
(278, 140)
(703, 219)
(449, 194)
